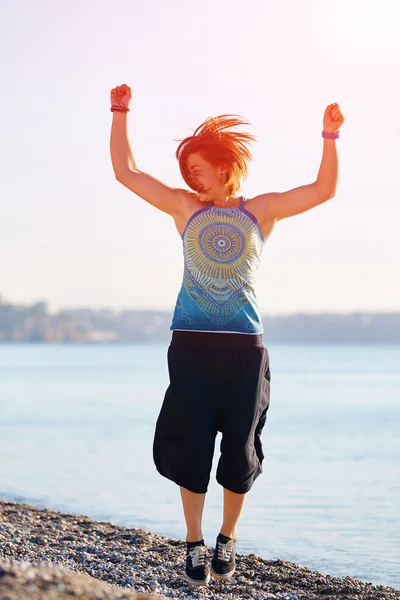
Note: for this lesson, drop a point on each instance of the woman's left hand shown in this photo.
(333, 118)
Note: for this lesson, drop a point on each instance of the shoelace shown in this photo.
(198, 555)
(225, 550)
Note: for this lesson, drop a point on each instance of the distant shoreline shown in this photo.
(35, 324)
(65, 545)
(164, 341)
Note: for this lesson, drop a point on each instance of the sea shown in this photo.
(76, 430)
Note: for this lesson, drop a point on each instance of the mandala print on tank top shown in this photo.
(222, 249)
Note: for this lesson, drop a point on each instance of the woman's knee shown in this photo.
(186, 464)
(237, 470)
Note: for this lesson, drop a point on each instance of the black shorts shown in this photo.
(218, 382)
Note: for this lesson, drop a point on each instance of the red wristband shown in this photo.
(329, 136)
(119, 109)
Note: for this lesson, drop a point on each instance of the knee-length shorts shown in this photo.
(219, 382)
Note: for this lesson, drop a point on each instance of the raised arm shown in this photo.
(165, 198)
(121, 152)
(280, 205)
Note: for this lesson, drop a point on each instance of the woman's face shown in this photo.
(206, 179)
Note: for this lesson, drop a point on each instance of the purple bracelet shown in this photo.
(330, 136)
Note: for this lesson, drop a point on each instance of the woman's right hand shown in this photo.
(121, 96)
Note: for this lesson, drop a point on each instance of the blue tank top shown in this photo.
(222, 250)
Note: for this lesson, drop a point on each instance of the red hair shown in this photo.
(219, 147)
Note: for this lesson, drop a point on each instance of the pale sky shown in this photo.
(71, 235)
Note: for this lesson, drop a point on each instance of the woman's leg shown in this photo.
(193, 505)
(233, 506)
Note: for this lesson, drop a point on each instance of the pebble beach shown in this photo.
(47, 554)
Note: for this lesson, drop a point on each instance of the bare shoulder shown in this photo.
(259, 203)
(166, 198)
(258, 206)
(189, 203)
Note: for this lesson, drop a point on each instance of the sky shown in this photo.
(72, 236)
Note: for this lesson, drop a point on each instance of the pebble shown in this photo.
(60, 555)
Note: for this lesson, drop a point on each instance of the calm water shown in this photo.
(76, 432)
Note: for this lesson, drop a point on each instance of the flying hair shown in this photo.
(219, 147)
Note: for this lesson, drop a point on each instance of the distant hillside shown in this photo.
(33, 323)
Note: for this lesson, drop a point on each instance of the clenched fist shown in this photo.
(120, 96)
(333, 118)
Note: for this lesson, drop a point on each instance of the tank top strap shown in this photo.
(242, 201)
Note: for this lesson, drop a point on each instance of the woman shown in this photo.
(218, 365)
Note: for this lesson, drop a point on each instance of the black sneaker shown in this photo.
(223, 562)
(197, 571)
